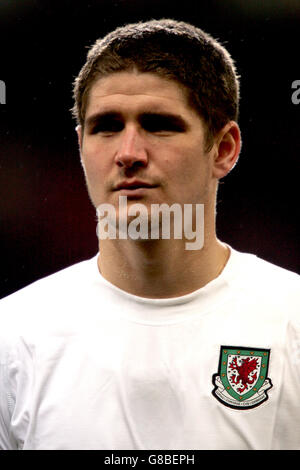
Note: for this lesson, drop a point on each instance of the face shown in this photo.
(142, 140)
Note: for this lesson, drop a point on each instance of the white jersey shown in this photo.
(85, 365)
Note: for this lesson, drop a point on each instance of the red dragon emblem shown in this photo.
(241, 373)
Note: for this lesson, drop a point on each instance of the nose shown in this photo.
(131, 149)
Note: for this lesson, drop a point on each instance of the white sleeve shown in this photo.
(287, 424)
(7, 442)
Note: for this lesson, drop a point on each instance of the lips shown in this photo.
(132, 185)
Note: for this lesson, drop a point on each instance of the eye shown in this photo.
(160, 123)
(107, 126)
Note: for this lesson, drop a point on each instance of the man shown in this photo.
(154, 344)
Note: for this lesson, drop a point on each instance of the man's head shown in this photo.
(156, 105)
(174, 50)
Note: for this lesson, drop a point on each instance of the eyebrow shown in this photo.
(173, 119)
(97, 117)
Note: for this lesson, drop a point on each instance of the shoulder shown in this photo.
(53, 294)
(257, 271)
(266, 283)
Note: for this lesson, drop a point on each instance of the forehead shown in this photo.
(133, 90)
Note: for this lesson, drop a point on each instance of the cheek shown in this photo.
(93, 164)
(189, 164)
(95, 175)
(190, 174)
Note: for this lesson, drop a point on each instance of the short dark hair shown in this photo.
(173, 50)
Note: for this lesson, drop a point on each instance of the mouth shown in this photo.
(134, 188)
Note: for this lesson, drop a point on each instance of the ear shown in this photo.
(78, 129)
(228, 146)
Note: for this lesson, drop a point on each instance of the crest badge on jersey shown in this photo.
(242, 379)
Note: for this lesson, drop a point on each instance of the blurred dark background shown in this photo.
(47, 221)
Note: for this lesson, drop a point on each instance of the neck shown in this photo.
(161, 268)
